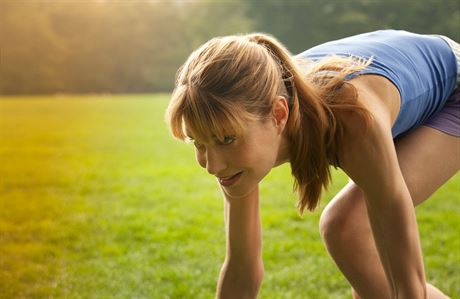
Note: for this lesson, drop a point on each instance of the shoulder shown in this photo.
(378, 95)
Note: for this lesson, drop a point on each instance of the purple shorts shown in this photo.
(447, 119)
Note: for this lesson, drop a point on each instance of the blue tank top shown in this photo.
(422, 67)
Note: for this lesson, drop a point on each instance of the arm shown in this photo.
(242, 271)
(370, 159)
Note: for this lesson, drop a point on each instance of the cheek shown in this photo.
(257, 156)
(265, 152)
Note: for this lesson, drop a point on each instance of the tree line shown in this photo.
(103, 46)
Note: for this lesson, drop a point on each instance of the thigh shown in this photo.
(427, 158)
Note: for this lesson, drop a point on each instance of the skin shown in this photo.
(369, 228)
(373, 215)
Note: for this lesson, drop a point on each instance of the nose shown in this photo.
(212, 160)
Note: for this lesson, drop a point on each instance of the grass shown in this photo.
(97, 201)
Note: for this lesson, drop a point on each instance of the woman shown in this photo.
(380, 105)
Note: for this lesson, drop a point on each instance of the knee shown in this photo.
(332, 224)
(328, 223)
(342, 216)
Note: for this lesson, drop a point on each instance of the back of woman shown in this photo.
(422, 67)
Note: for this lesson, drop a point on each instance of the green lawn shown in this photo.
(97, 201)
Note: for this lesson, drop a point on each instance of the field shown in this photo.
(97, 201)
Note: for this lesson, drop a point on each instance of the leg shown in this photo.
(428, 158)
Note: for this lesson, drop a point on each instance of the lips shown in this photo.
(230, 180)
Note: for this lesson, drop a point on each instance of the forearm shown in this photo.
(396, 235)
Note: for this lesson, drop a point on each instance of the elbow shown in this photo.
(241, 281)
(258, 277)
(414, 287)
(250, 279)
(254, 283)
(250, 288)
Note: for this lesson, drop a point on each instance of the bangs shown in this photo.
(205, 117)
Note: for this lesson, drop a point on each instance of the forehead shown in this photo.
(251, 128)
(207, 134)
(214, 127)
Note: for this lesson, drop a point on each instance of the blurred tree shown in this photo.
(301, 24)
(104, 46)
(137, 46)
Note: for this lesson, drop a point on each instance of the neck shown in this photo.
(283, 151)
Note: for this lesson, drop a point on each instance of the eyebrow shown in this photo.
(188, 136)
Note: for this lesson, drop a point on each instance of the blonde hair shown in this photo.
(232, 79)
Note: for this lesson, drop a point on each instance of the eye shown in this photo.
(227, 140)
(195, 143)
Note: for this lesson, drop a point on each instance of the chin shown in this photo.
(236, 193)
(241, 189)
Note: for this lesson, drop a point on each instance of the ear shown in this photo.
(280, 111)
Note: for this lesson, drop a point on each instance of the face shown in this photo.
(241, 162)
